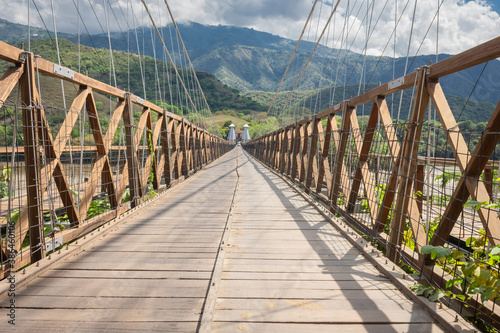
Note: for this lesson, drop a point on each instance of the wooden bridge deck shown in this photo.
(283, 268)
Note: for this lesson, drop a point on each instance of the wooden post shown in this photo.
(284, 150)
(183, 147)
(303, 156)
(337, 173)
(407, 170)
(289, 144)
(296, 151)
(313, 148)
(31, 122)
(133, 171)
(488, 181)
(419, 186)
(324, 165)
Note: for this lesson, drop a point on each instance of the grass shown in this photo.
(220, 119)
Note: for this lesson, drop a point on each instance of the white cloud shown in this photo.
(462, 24)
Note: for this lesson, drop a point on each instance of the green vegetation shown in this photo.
(474, 117)
(472, 275)
(4, 182)
(96, 64)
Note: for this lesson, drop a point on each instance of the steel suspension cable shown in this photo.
(169, 56)
(309, 59)
(291, 58)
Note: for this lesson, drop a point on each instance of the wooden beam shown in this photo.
(102, 143)
(284, 150)
(467, 59)
(303, 155)
(337, 172)
(336, 134)
(132, 163)
(156, 164)
(311, 153)
(9, 81)
(324, 165)
(471, 166)
(298, 134)
(149, 168)
(362, 173)
(31, 124)
(394, 147)
(406, 173)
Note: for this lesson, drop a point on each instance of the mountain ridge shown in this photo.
(250, 60)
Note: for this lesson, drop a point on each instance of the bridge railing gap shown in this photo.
(56, 184)
(381, 179)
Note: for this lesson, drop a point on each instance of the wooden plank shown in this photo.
(296, 311)
(40, 302)
(247, 286)
(98, 315)
(341, 276)
(104, 326)
(324, 328)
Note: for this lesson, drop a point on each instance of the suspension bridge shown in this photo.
(146, 218)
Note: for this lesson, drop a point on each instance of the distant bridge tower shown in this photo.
(246, 136)
(231, 137)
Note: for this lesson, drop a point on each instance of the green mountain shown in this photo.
(13, 32)
(313, 101)
(253, 62)
(249, 60)
(95, 62)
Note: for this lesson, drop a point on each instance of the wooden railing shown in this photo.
(175, 149)
(344, 167)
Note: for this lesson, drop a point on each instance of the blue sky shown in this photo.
(495, 4)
